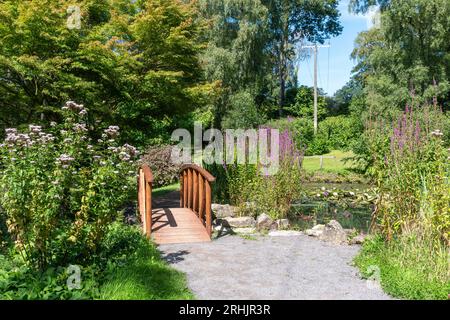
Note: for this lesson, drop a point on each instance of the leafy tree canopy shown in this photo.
(132, 62)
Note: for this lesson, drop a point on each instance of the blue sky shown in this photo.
(334, 63)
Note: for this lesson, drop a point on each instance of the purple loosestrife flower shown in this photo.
(417, 132)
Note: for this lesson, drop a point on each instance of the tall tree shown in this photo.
(408, 53)
(236, 55)
(292, 21)
(132, 62)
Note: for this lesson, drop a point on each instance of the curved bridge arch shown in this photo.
(191, 221)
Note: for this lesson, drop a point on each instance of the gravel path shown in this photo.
(284, 267)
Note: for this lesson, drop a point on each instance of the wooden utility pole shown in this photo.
(315, 48)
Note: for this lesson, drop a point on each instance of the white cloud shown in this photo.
(371, 17)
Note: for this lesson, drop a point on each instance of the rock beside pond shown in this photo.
(238, 222)
(282, 223)
(315, 231)
(334, 233)
(359, 239)
(264, 222)
(223, 210)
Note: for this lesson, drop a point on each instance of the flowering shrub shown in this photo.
(59, 190)
(412, 171)
(254, 191)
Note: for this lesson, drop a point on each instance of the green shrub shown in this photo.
(411, 171)
(410, 166)
(304, 102)
(242, 113)
(340, 132)
(127, 266)
(408, 268)
(18, 281)
(60, 191)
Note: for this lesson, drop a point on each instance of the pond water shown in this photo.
(350, 204)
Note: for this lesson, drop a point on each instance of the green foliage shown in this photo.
(304, 104)
(410, 166)
(255, 190)
(408, 52)
(250, 45)
(20, 282)
(338, 132)
(60, 191)
(411, 170)
(408, 268)
(128, 266)
(135, 63)
(243, 113)
(137, 271)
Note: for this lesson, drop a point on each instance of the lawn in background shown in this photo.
(335, 165)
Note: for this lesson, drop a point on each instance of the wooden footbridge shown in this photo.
(191, 221)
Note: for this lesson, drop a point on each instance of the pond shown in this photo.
(350, 204)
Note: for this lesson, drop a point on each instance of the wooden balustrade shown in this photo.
(145, 184)
(195, 193)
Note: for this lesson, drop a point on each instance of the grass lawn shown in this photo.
(146, 277)
(158, 192)
(335, 165)
(407, 269)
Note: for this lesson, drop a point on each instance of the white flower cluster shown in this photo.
(437, 133)
(80, 127)
(70, 105)
(64, 160)
(36, 135)
(112, 131)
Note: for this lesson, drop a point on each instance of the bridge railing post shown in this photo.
(208, 208)
(145, 185)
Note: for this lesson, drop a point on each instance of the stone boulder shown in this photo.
(282, 223)
(359, 239)
(315, 231)
(223, 210)
(264, 222)
(334, 233)
(238, 222)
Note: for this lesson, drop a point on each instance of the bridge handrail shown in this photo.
(208, 176)
(195, 192)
